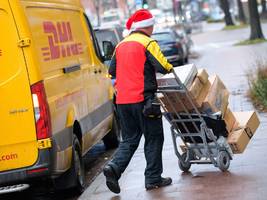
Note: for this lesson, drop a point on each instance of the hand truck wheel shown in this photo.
(185, 166)
(223, 161)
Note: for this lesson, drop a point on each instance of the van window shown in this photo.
(106, 35)
(94, 39)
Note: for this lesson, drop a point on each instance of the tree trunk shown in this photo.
(255, 25)
(174, 10)
(128, 8)
(241, 14)
(263, 4)
(226, 9)
(97, 4)
(115, 4)
(152, 4)
(264, 10)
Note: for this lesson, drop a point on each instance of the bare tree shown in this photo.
(227, 15)
(241, 14)
(152, 4)
(97, 6)
(115, 4)
(264, 10)
(174, 9)
(255, 25)
(128, 8)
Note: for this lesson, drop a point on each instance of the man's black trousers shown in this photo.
(133, 125)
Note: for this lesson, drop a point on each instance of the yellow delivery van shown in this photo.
(55, 93)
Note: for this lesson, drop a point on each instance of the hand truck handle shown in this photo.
(177, 78)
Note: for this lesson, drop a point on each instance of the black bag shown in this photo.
(152, 108)
(217, 125)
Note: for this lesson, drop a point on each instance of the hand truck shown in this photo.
(203, 144)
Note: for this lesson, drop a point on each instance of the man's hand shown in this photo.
(171, 70)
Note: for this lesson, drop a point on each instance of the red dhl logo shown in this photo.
(1, 52)
(60, 40)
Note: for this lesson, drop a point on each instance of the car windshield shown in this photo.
(160, 37)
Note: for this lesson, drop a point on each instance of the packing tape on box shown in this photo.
(249, 132)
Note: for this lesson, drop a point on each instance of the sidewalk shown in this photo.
(247, 176)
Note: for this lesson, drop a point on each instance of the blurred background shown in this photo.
(103, 12)
(177, 18)
(167, 12)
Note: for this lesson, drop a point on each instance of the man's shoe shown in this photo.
(162, 183)
(111, 179)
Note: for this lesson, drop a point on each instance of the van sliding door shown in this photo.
(18, 146)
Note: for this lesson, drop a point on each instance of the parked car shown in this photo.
(171, 46)
(114, 34)
(185, 40)
(56, 97)
(216, 15)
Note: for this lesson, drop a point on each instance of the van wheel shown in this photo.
(113, 138)
(77, 166)
(74, 178)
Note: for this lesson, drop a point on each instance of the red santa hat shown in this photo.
(140, 19)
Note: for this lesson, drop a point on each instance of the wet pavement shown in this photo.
(247, 175)
(95, 159)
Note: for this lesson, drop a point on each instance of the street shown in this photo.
(79, 76)
(247, 177)
(95, 159)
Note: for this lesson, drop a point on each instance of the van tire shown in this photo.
(74, 178)
(77, 166)
(113, 138)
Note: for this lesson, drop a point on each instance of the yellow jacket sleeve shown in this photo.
(157, 59)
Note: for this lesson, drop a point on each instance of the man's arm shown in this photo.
(157, 59)
(112, 66)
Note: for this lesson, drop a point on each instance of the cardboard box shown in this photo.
(178, 103)
(186, 74)
(196, 88)
(245, 127)
(180, 99)
(203, 76)
(229, 120)
(247, 119)
(203, 93)
(239, 139)
(217, 98)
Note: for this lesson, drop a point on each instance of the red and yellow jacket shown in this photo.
(134, 65)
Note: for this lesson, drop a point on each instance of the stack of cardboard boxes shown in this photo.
(209, 95)
(196, 82)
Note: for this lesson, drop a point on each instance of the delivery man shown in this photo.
(134, 65)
